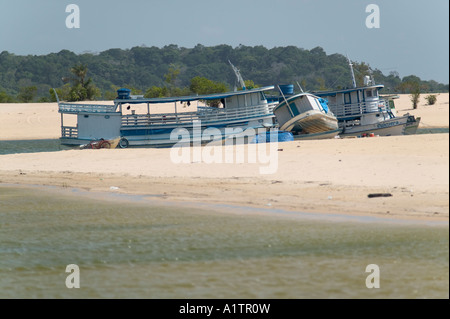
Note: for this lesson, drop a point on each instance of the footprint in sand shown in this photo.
(34, 119)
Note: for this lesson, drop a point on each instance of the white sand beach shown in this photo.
(319, 176)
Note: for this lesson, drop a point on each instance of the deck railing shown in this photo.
(69, 131)
(343, 111)
(90, 108)
(204, 114)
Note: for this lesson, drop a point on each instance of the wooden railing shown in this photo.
(343, 111)
(91, 108)
(204, 114)
(69, 131)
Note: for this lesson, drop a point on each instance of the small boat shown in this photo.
(304, 114)
(412, 122)
(239, 111)
(227, 115)
(102, 143)
(361, 110)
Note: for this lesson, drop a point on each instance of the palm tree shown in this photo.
(80, 72)
(81, 89)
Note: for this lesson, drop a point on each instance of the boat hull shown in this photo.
(318, 136)
(169, 135)
(311, 122)
(390, 127)
(412, 125)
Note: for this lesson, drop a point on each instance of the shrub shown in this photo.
(431, 99)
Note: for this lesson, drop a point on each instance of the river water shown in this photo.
(134, 248)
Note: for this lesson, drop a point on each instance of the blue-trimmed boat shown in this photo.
(305, 113)
(237, 112)
(362, 110)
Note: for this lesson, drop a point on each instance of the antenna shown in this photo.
(371, 76)
(353, 74)
(282, 95)
(56, 95)
(238, 75)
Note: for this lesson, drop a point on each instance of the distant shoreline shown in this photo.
(31, 121)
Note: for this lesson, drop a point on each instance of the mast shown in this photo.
(371, 76)
(238, 75)
(353, 74)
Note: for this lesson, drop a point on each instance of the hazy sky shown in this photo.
(412, 38)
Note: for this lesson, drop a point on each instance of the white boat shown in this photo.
(412, 122)
(305, 114)
(238, 111)
(361, 110)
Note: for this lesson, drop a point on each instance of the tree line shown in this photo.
(171, 70)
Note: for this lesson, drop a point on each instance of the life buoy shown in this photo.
(123, 143)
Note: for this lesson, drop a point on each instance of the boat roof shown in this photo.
(293, 97)
(214, 96)
(360, 88)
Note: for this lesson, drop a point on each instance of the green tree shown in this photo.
(174, 67)
(80, 72)
(201, 85)
(414, 88)
(172, 74)
(5, 98)
(321, 81)
(156, 92)
(111, 94)
(27, 94)
(63, 93)
(249, 84)
(82, 89)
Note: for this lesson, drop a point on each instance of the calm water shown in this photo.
(138, 250)
(434, 130)
(31, 146)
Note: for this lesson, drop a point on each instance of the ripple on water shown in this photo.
(127, 250)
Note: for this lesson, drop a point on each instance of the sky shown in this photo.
(410, 37)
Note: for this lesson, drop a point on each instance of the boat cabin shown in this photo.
(246, 108)
(350, 104)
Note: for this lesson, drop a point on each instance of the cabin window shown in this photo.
(86, 116)
(106, 116)
(263, 96)
(294, 109)
(369, 93)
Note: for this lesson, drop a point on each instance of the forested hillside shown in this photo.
(29, 78)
